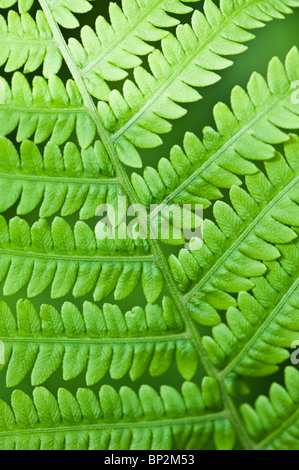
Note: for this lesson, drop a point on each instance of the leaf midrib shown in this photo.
(120, 425)
(60, 179)
(288, 423)
(77, 258)
(94, 341)
(51, 110)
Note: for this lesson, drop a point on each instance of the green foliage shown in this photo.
(108, 52)
(65, 180)
(137, 117)
(56, 111)
(245, 137)
(99, 341)
(62, 10)
(144, 421)
(225, 313)
(274, 421)
(55, 255)
(28, 43)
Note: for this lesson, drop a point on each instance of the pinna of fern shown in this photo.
(28, 42)
(137, 117)
(99, 341)
(147, 421)
(56, 256)
(246, 232)
(62, 10)
(246, 136)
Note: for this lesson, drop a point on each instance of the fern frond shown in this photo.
(257, 335)
(246, 236)
(62, 10)
(246, 231)
(106, 53)
(138, 117)
(50, 109)
(244, 138)
(274, 422)
(66, 180)
(123, 420)
(57, 256)
(98, 341)
(28, 43)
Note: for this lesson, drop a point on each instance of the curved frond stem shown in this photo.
(156, 249)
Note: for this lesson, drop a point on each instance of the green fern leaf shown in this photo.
(106, 54)
(48, 110)
(273, 423)
(142, 113)
(74, 113)
(144, 421)
(28, 43)
(69, 181)
(62, 10)
(245, 136)
(54, 255)
(97, 341)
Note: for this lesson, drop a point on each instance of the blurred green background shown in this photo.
(276, 39)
